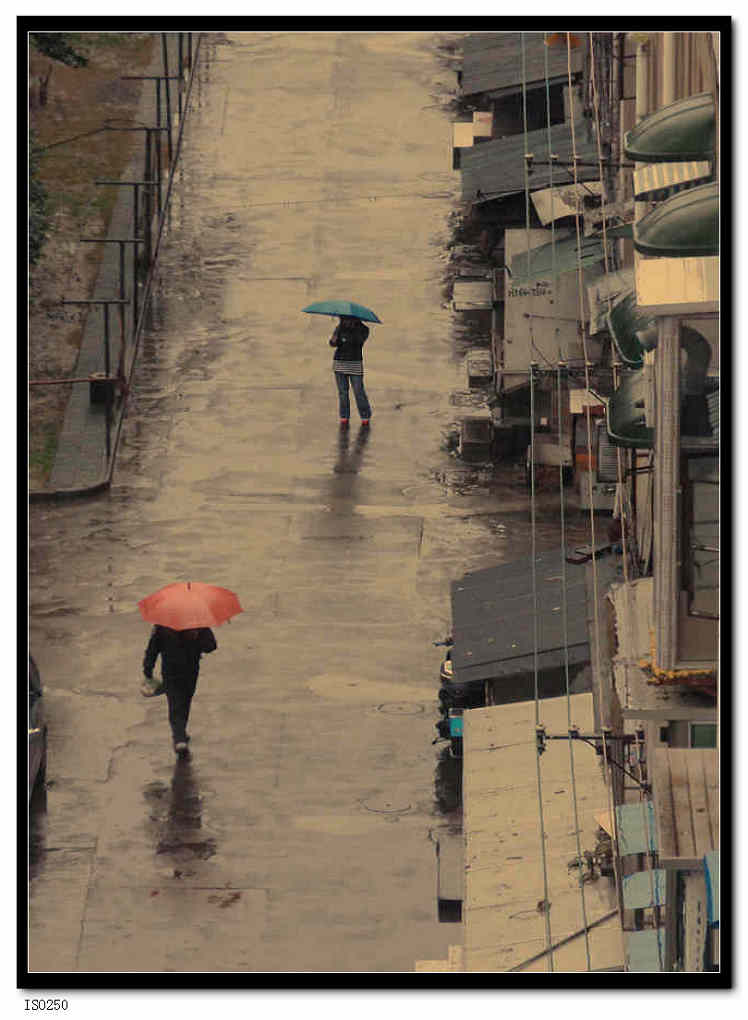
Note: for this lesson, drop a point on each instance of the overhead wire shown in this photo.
(643, 800)
(580, 292)
(564, 583)
(619, 464)
(597, 672)
(539, 780)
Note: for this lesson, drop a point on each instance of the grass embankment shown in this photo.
(69, 106)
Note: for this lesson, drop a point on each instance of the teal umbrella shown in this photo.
(342, 308)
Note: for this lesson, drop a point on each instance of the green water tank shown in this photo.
(677, 133)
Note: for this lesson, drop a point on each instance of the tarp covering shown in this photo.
(644, 889)
(636, 828)
(711, 871)
(645, 950)
(562, 256)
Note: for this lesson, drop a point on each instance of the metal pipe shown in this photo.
(667, 484)
(148, 199)
(165, 53)
(75, 379)
(668, 68)
(107, 368)
(642, 76)
(642, 96)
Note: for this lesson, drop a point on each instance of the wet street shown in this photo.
(299, 835)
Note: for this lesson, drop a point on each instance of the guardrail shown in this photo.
(138, 252)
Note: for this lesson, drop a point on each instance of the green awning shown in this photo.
(686, 225)
(564, 259)
(626, 414)
(682, 131)
(625, 320)
(622, 230)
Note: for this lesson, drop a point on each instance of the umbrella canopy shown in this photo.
(185, 605)
(342, 308)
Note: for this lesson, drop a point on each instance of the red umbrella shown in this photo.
(185, 605)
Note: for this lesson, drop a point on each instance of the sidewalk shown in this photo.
(81, 465)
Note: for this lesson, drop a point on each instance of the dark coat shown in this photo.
(349, 338)
(180, 653)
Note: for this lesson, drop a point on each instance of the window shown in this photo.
(702, 735)
(701, 536)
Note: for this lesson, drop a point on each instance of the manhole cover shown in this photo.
(399, 708)
(384, 805)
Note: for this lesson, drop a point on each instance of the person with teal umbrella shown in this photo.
(348, 339)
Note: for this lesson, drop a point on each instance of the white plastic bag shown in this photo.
(151, 688)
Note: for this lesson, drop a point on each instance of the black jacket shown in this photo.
(349, 338)
(180, 653)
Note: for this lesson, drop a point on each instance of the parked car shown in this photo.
(37, 730)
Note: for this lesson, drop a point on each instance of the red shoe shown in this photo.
(343, 422)
(364, 421)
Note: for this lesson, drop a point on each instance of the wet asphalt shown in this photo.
(299, 834)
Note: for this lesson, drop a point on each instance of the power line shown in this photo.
(539, 780)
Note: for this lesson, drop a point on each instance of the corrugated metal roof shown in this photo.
(492, 62)
(654, 181)
(686, 794)
(503, 916)
(492, 616)
(497, 168)
(712, 402)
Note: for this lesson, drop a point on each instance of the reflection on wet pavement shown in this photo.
(349, 460)
(341, 545)
(175, 815)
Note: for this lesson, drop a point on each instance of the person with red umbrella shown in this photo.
(183, 614)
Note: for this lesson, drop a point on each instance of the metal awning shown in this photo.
(493, 62)
(656, 181)
(561, 256)
(684, 226)
(685, 794)
(625, 321)
(626, 412)
(496, 169)
(681, 131)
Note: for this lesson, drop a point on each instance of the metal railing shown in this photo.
(151, 190)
